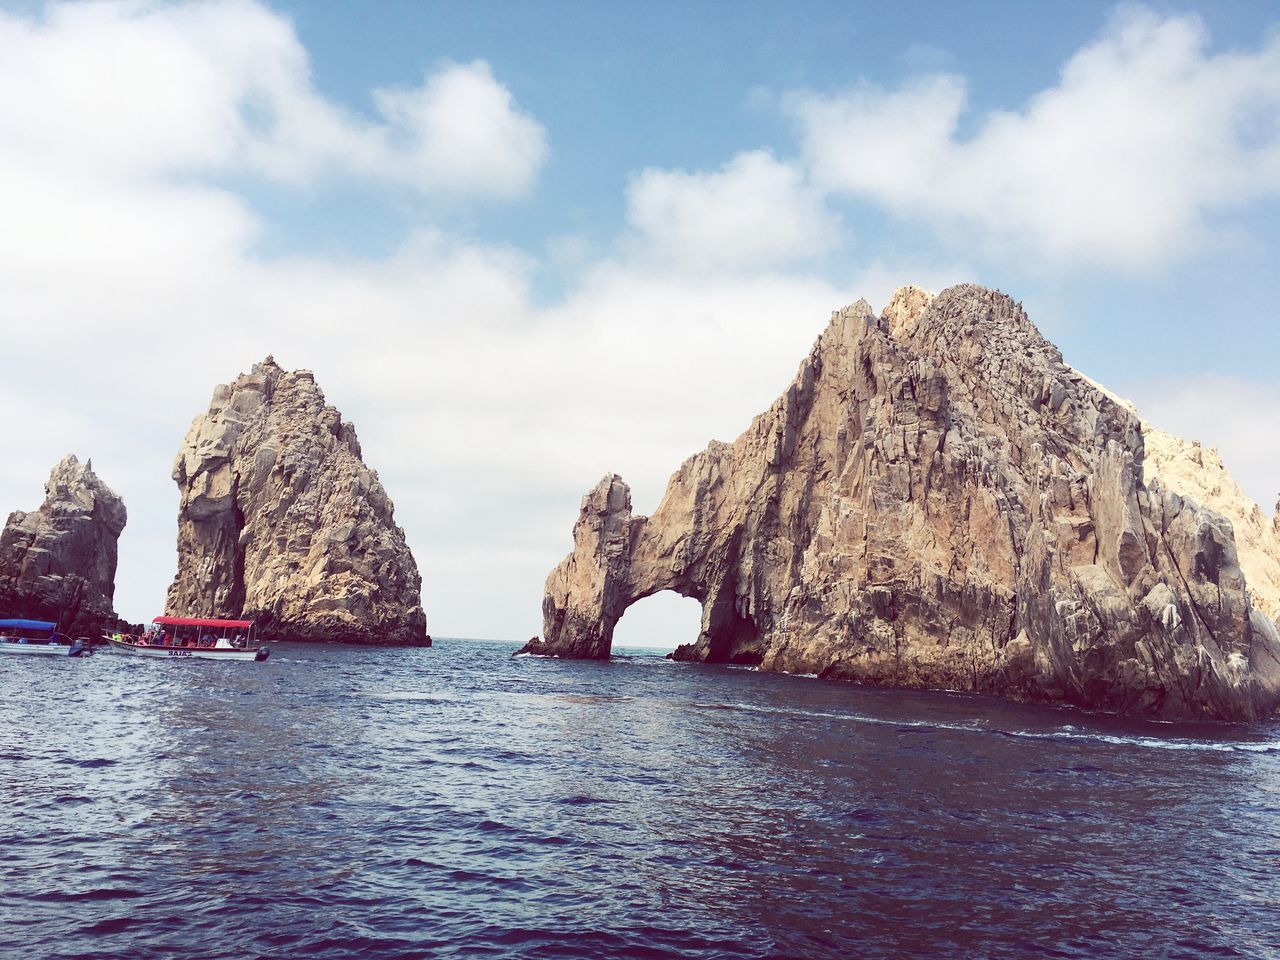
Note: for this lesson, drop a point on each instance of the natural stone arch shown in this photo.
(663, 620)
(937, 500)
(619, 559)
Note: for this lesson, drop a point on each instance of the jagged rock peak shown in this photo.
(937, 500)
(281, 522)
(906, 308)
(59, 562)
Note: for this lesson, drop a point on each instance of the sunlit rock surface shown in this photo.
(281, 522)
(937, 501)
(1198, 472)
(59, 562)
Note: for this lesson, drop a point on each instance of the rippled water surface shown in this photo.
(455, 802)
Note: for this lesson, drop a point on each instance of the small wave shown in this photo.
(409, 695)
(101, 893)
(1151, 743)
(88, 764)
(110, 925)
(582, 800)
(592, 698)
(1067, 732)
(863, 815)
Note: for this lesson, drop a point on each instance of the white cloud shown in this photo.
(462, 130)
(128, 91)
(754, 212)
(1145, 140)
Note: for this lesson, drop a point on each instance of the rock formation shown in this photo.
(1198, 473)
(282, 523)
(936, 501)
(59, 562)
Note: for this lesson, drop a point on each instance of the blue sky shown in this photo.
(675, 85)
(525, 244)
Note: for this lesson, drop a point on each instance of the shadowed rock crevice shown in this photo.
(281, 521)
(937, 500)
(59, 562)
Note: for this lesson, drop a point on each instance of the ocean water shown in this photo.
(456, 802)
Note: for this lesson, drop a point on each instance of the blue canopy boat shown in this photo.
(38, 637)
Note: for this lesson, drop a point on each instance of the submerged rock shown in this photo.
(936, 501)
(281, 522)
(59, 562)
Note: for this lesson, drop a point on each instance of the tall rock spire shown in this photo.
(281, 521)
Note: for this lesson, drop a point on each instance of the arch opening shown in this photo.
(660, 622)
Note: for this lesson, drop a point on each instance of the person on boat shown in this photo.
(206, 640)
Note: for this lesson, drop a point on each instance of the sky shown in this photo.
(523, 246)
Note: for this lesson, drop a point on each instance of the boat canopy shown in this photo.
(197, 622)
(26, 625)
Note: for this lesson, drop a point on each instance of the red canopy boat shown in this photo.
(204, 638)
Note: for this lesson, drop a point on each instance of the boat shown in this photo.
(39, 638)
(199, 638)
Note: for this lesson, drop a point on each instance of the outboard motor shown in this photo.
(262, 654)
(80, 647)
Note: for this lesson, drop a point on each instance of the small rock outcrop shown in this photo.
(939, 501)
(281, 522)
(59, 562)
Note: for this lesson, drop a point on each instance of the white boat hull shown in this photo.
(188, 653)
(37, 649)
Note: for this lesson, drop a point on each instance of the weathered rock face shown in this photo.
(936, 501)
(282, 523)
(1198, 473)
(59, 562)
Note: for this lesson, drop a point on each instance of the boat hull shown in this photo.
(41, 649)
(188, 653)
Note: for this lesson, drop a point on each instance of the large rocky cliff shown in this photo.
(281, 522)
(59, 562)
(937, 501)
